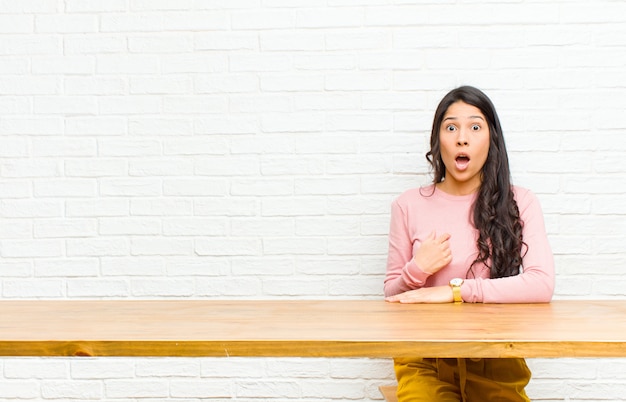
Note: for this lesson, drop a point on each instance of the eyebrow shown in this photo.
(471, 117)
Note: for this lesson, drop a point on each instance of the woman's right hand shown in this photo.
(434, 253)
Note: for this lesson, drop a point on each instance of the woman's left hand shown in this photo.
(434, 294)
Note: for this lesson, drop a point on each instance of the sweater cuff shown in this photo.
(413, 275)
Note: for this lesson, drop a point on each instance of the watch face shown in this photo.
(456, 282)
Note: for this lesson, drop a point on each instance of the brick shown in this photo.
(296, 288)
(97, 247)
(174, 367)
(272, 166)
(16, 228)
(161, 207)
(59, 147)
(217, 40)
(66, 23)
(227, 246)
(20, 389)
(197, 145)
(97, 288)
(31, 44)
(31, 208)
(65, 105)
(128, 105)
(13, 147)
(68, 65)
(195, 226)
(289, 41)
(162, 287)
(291, 83)
(233, 367)
(291, 122)
(103, 369)
(197, 266)
(197, 21)
(195, 63)
(262, 187)
(333, 17)
(135, 22)
(94, 44)
(161, 167)
(359, 122)
(35, 369)
(132, 266)
(226, 83)
(263, 19)
(159, 126)
(194, 187)
(135, 389)
(32, 248)
(264, 227)
(118, 147)
(327, 265)
(263, 266)
(294, 245)
(64, 228)
(65, 188)
(67, 268)
(265, 144)
(127, 64)
(367, 40)
(130, 187)
(231, 287)
(160, 246)
(200, 389)
(100, 207)
(16, 24)
(296, 206)
(117, 226)
(28, 289)
(160, 44)
(362, 81)
(170, 84)
(260, 103)
(100, 126)
(333, 389)
(322, 226)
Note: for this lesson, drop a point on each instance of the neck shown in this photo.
(458, 188)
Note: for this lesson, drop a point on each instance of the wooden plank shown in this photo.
(346, 328)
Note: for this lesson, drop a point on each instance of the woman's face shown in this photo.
(464, 142)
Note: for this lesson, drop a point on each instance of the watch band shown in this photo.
(455, 284)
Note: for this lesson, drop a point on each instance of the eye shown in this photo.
(451, 128)
(475, 127)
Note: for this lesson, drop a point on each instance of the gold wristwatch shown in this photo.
(455, 284)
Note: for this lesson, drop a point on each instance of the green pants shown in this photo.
(467, 380)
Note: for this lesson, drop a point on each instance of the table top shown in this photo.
(319, 328)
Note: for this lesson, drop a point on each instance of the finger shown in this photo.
(444, 237)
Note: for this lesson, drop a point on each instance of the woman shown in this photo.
(471, 236)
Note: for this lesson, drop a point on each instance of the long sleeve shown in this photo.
(403, 274)
(536, 283)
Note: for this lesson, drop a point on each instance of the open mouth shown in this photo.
(461, 161)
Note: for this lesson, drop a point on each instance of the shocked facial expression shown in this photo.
(464, 143)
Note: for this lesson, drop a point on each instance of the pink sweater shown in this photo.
(416, 213)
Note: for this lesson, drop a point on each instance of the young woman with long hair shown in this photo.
(470, 236)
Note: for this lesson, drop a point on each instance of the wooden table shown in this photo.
(346, 328)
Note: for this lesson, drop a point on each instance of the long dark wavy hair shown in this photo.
(495, 211)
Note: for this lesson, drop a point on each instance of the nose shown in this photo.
(462, 138)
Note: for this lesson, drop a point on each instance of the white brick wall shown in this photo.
(250, 149)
